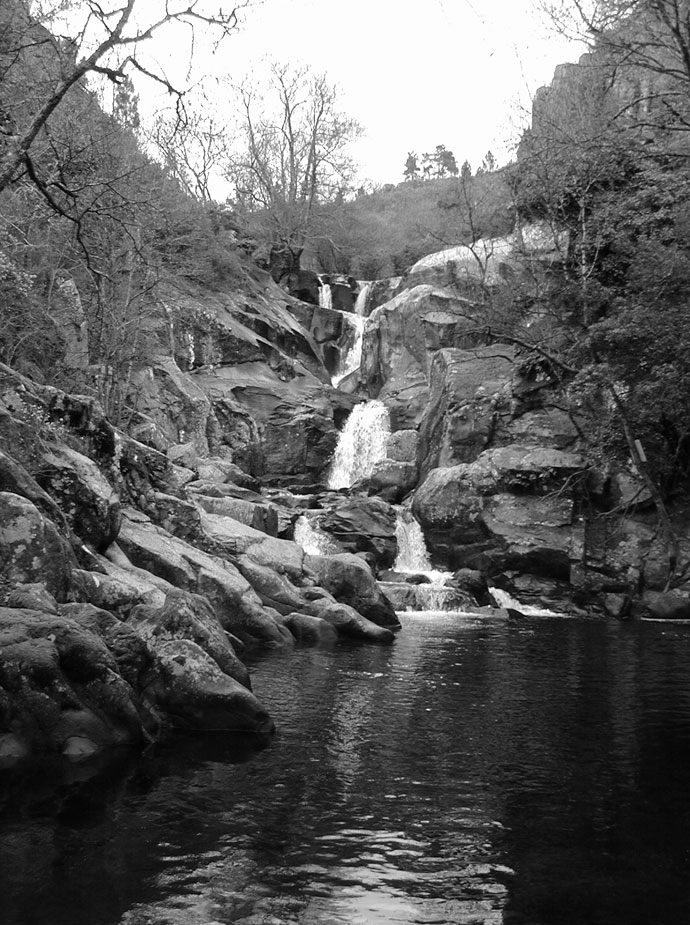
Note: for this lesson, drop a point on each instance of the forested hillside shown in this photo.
(380, 234)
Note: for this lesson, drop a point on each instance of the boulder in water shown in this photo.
(360, 524)
(197, 694)
(350, 623)
(391, 480)
(667, 605)
(310, 630)
(352, 582)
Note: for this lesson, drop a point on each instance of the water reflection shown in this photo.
(475, 771)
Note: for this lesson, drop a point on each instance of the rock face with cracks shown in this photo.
(127, 600)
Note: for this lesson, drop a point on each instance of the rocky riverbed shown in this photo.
(140, 559)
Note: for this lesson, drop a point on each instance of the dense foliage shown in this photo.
(89, 229)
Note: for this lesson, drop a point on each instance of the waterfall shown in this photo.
(412, 552)
(362, 298)
(325, 295)
(314, 541)
(361, 445)
(413, 558)
(352, 358)
(505, 600)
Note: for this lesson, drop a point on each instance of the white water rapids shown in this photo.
(314, 541)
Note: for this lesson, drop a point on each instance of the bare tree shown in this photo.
(104, 37)
(645, 46)
(193, 145)
(293, 152)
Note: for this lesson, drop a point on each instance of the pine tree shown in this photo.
(411, 166)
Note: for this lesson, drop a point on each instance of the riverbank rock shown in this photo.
(185, 615)
(61, 689)
(350, 581)
(90, 503)
(185, 566)
(32, 549)
(509, 509)
(362, 524)
(401, 338)
(196, 694)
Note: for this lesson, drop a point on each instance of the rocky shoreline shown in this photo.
(118, 624)
(139, 562)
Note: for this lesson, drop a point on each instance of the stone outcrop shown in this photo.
(132, 576)
(470, 396)
(360, 524)
(511, 509)
(32, 548)
(499, 482)
(350, 581)
(394, 476)
(85, 496)
(401, 339)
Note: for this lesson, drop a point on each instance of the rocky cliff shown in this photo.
(504, 479)
(138, 562)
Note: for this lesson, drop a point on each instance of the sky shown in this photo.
(460, 73)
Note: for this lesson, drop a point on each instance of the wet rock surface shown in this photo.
(136, 565)
(133, 575)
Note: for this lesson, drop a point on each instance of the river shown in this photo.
(479, 770)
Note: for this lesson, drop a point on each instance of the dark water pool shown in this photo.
(478, 771)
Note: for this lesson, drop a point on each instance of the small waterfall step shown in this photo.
(412, 584)
(351, 359)
(352, 340)
(314, 541)
(513, 607)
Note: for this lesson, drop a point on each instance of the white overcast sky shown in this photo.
(415, 74)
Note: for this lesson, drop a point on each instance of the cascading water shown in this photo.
(351, 360)
(412, 552)
(361, 445)
(362, 298)
(312, 540)
(413, 559)
(325, 295)
(504, 599)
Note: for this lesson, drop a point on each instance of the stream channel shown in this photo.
(479, 770)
